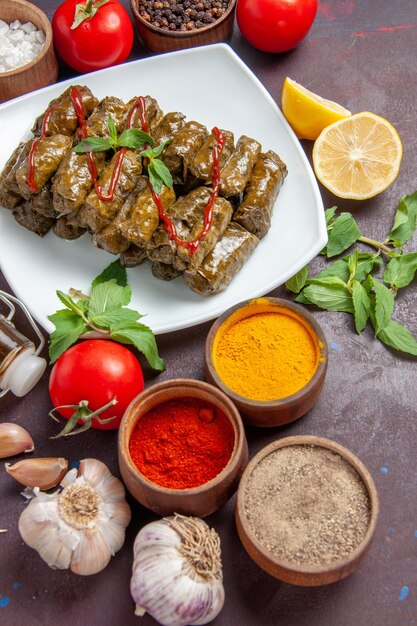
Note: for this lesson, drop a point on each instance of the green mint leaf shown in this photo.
(366, 264)
(154, 179)
(361, 305)
(93, 144)
(114, 317)
(112, 131)
(297, 282)
(330, 293)
(143, 339)
(134, 138)
(405, 220)
(114, 270)
(338, 268)
(159, 149)
(344, 233)
(68, 328)
(398, 337)
(302, 298)
(163, 172)
(384, 305)
(69, 303)
(329, 214)
(352, 261)
(105, 296)
(153, 153)
(400, 270)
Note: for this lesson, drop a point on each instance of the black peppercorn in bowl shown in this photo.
(164, 26)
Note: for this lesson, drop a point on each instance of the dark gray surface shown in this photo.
(362, 55)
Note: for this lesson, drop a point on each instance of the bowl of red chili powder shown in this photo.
(269, 356)
(182, 448)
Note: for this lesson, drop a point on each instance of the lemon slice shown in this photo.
(358, 157)
(308, 113)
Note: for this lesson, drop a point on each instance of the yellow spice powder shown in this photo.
(266, 356)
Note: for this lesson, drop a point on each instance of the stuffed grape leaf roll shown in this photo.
(221, 264)
(133, 256)
(46, 160)
(68, 227)
(144, 217)
(237, 171)
(256, 210)
(25, 215)
(142, 112)
(221, 216)
(180, 153)
(202, 165)
(62, 118)
(73, 180)
(99, 208)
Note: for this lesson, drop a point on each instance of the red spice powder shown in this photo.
(182, 443)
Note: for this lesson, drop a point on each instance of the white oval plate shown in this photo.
(213, 86)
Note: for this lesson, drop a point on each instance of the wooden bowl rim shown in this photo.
(184, 385)
(346, 454)
(47, 30)
(290, 400)
(174, 34)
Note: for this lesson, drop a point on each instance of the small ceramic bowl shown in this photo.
(288, 571)
(270, 412)
(41, 71)
(199, 501)
(155, 39)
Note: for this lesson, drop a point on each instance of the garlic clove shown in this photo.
(92, 553)
(14, 439)
(42, 472)
(113, 535)
(44, 538)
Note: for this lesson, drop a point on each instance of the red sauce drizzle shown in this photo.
(208, 211)
(33, 150)
(82, 132)
(139, 104)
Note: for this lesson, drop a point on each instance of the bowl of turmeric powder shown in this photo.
(269, 356)
(182, 448)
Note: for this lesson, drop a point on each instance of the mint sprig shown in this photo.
(159, 174)
(132, 138)
(103, 313)
(349, 283)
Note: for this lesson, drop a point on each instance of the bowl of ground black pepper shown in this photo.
(182, 448)
(269, 356)
(306, 510)
(166, 25)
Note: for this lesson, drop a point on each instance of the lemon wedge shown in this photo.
(358, 157)
(308, 113)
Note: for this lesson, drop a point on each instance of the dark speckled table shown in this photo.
(362, 54)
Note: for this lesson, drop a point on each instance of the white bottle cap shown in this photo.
(23, 373)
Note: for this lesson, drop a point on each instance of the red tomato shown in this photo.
(102, 40)
(96, 370)
(275, 25)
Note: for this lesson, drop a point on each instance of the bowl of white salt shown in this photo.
(27, 57)
(306, 510)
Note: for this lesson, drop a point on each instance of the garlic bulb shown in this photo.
(41, 472)
(81, 526)
(177, 573)
(14, 439)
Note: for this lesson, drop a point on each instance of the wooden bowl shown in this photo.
(41, 71)
(272, 412)
(199, 501)
(155, 39)
(285, 570)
